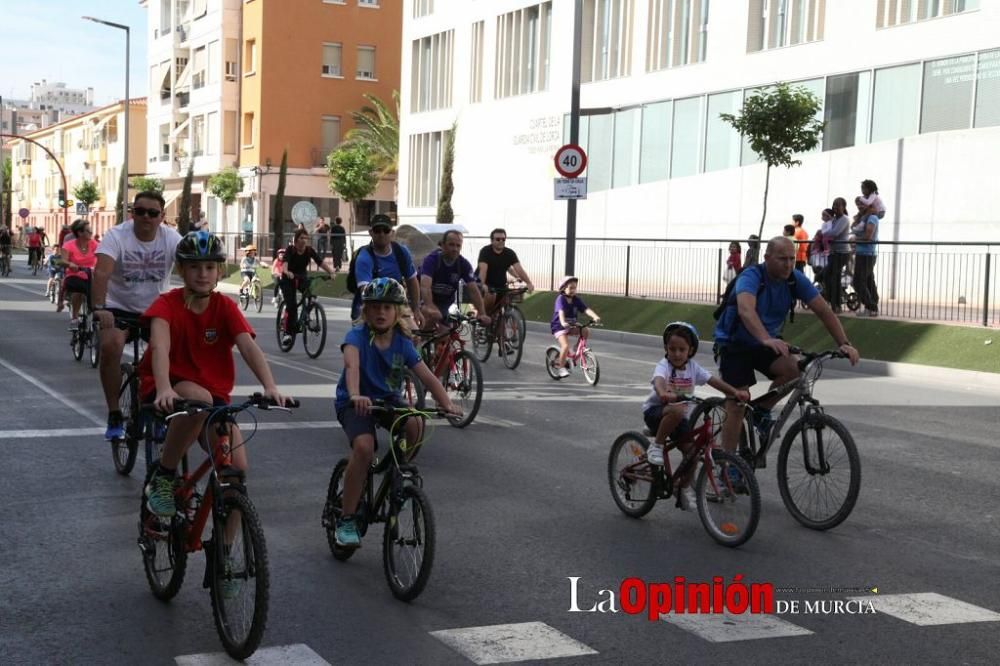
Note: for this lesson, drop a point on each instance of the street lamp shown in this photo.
(124, 185)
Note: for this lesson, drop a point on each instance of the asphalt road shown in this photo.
(522, 504)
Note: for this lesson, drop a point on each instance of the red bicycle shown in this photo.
(458, 370)
(581, 355)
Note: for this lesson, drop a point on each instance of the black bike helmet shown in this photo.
(384, 290)
(687, 330)
(200, 246)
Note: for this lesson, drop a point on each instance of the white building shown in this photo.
(56, 96)
(910, 92)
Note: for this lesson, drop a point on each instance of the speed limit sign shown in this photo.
(570, 160)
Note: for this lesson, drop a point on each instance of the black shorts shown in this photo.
(126, 321)
(76, 284)
(355, 425)
(737, 364)
(654, 415)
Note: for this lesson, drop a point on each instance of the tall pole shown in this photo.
(574, 133)
(62, 172)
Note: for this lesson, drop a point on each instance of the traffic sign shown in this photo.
(81, 208)
(570, 160)
(571, 188)
(23, 213)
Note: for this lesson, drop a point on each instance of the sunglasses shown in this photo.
(146, 212)
(381, 230)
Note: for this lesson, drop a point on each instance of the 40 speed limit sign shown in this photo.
(570, 160)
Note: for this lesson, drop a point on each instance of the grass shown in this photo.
(335, 288)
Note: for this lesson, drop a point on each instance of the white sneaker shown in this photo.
(563, 372)
(689, 501)
(74, 321)
(274, 301)
(655, 454)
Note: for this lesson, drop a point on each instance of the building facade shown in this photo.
(910, 93)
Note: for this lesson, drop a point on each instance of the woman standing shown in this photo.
(840, 251)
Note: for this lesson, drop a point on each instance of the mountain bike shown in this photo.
(236, 571)
(727, 492)
(86, 335)
(459, 371)
(399, 501)
(254, 293)
(581, 355)
(311, 321)
(507, 329)
(123, 450)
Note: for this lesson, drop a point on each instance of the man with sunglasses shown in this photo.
(133, 268)
(495, 261)
(379, 259)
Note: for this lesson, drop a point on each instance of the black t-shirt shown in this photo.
(497, 265)
(298, 264)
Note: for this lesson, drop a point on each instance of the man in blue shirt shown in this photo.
(747, 333)
(379, 260)
(440, 275)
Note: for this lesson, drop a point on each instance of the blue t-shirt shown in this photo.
(364, 266)
(867, 249)
(445, 277)
(381, 370)
(773, 304)
(571, 307)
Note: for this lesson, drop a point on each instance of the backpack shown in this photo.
(352, 277)
(728, 299)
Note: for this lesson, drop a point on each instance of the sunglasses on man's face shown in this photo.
(381, 230)
(146, 212)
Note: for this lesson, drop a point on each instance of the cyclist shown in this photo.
(568, 304)
(383, 257)
(674, 378)
(440, 275)
(6, 241)
(192, 332)
(277, 268)
(34, 246)
(375, 354)
(295, 275)
(747, 335)
(495, 261)
(78, 254)
(248, 266)
(54, 266)
(133, 268)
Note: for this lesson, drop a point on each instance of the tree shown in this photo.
(353, 176)
(225, 186)
(278, 223)
(378, 131)
(184, 211)
(779, 122)
(5, 172)
(87, 193)
(147, 184)
(445, 215)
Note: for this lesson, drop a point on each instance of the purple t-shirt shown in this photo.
(571, 307)
(445, 277)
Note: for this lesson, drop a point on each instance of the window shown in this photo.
(722, 141)
(890, 13)
(846, 110)
(229, 133)
(366, 63)
(231, 54)
(677, 33)
(777, 23)
(331, 137)
(249, 57)
(432, 64)
(654, 149)
(946, 102)
(422, 8)
(988, 89)
(425, 168)
(198, 136)
(212, 133)
(198, 79)
(476, 77)
(368, 3)
(522, 52)
(625, 168)
(213, 62)
(165, 17)
(247, 130)
(896, 102)
(607, 39)
(200, 9)
(165, 142)
(599, 152)
(687, 137)
(332, 60)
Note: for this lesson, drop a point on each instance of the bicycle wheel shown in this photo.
(123, 450)
(551, 356)
(408, 543)
(414, 393)
(164, 556)
(240, 580)
(258, 295)
(516, 313)
(94, 341)
(244, 299)
(333, 510)
(280, 328)
(630, 476)
(713, 409)
(314, 330)
(464, 385)
(482, 340)
(78, 343)
(819, 471)
(852, 301)
(511, 345)
(591, 368)
(729, 501)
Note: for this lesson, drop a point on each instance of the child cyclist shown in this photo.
(674, 379)
(277, 269)
(54, 265)
(375, 354)
(192, 332)
(567, 306)
(248, 266)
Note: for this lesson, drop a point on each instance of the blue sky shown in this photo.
(47, 39)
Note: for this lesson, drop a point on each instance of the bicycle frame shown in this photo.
(445, 361)
(662, 478)
(374, 500)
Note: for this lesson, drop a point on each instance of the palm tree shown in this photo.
(377, 130)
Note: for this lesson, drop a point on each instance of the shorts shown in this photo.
(76, 284)
(355, 425)
(654, 414)
(737, 363)
(443, 309)
(248, 274)
(55, 272)
(126, 320)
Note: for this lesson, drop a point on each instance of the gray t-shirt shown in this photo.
(839, 233)
(142, 270)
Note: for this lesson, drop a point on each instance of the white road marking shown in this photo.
(929, 608)
(57, 432)
(504, 643)
(52, 392)
(726, 627)
(298, 654)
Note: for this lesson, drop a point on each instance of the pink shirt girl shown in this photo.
(86, 258)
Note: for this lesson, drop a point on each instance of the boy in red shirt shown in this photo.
(192, 332)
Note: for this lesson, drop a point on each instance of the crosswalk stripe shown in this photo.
(298, 654)
(929, 608)
(502, 643)
(727, 627)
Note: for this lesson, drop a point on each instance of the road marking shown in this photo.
(727, 627)
(503, 643)
(58, 432)
(298, 654)
(55, 394)
(929, 608)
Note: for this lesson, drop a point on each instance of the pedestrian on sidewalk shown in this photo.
(338, 241)
(734, 264)
(322, 232)
(753, 251)
(865, 254)
(801, 242)
(840, 252)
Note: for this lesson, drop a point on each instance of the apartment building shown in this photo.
(235, 83)
(910, 93)
(89, 147)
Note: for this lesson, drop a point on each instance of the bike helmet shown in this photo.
(384, 290)
(566, 280)
(686, 329)
(200, 246)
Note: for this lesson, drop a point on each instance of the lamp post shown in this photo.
(574, 132)
(124, 185)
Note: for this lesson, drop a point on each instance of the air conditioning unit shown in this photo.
(331, 70)
(366, 75)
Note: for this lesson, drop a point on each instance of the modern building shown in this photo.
(235, 83)
(89, 147)
(56, 96)
(910, 93)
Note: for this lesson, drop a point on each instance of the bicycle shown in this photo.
(726, 489)
(86, 335)
(507, 329)
(253, 293)
(36, 262)
(52, 292)
(582, 354)
(459, 371)
(123, 450)
(311, 322)
(812, 466)
(408, 542)
(236, 570)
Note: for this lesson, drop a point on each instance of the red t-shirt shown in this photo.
(200, 344)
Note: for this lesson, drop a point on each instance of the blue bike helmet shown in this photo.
(384, 290)
(688, 331)
(200, 246)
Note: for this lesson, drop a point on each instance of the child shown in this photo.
(192, 332)
(53, 263)
(277, 270)
(568, 304)
(248, 266)
(375, 355)
(674, 378)
(734, 264)
(871, 199)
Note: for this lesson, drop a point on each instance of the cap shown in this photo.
(381, 220)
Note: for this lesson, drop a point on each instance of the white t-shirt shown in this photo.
(142, 270)
(681, 381)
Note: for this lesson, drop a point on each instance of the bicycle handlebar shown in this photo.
(184, 407)
(381, 407)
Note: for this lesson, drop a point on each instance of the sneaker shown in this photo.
(74, 322)
(654, 454)
(286, 339)
(873, 313)
(116, 429)
(689, 501)
(230, 587)
(160, 496)
(274, 301)
(347, 533)
(563, 372)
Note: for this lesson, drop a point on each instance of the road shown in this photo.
(522, 505)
